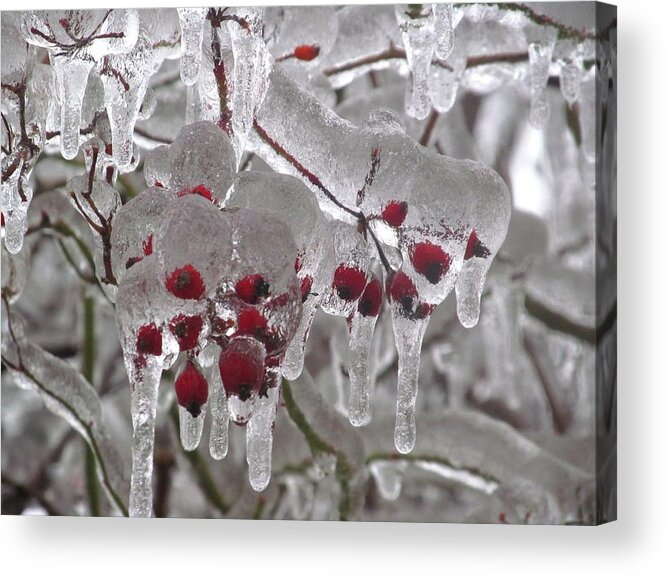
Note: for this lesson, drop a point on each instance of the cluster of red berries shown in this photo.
(246, 337)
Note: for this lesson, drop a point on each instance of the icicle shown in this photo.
(502, 336)
(571, 75)
(361, 329)
(125, 79)
(388, 476)
(408, 338)
(144, 383)
(469, 287)
(259, 434)
(219, 413)
(292, 364)
(14, 208)
(191, 26)
(443, 29)
(444, 82)
(71, 74)
(251, 69)
(418, 35)
(539, 53)
(589, 122)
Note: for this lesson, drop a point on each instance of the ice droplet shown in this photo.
(191, 26)
(408, 339)
(443, 29)
(388, 477)
(416, 23)
(191, 427)
(259, 434)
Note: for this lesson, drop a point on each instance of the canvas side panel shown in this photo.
(606, 262)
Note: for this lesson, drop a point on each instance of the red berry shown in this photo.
(349, 282)
(251, 288)
(64, 22)
(186, 329)
(186, 283)
(394, 213)
(430, 261)
(149, 340)
(251, 322)
(241, 369)
(306, 52)
(306, 286)
(200, 190)
(371, 299)
(191, 389)
(401, 290)
(148, 245)
(298, 264)
(475, 249)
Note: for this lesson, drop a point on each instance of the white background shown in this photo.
(634, 544)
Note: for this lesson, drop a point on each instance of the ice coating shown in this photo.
(417, 24)
(192, 396)
(98, 202)
(157, 167)
(135, 226)
(259, 436)
(202, 155)
(191, 26)
(242, 373)
(351, 260)
(362, 30)
(203, 262)
(274, 260)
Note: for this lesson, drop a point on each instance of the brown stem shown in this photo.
(424, 140)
